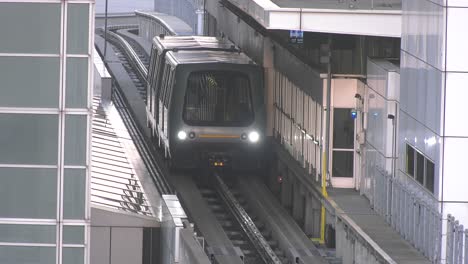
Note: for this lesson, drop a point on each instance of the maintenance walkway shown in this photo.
(363, 236)
(357, 210)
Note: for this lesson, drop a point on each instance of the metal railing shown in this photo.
(297, 123)
(457, 242)
(409, 212)
(139, 66)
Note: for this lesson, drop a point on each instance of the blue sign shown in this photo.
(296, 36)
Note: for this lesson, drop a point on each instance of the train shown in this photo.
(205, 103)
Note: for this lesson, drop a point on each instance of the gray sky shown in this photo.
(119, 6)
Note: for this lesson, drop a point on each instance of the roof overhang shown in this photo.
(384, 23)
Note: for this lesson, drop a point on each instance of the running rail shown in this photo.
(255, 236)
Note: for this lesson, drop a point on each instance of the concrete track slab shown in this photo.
(204, 218)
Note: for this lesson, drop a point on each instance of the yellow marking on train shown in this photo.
(217, 136)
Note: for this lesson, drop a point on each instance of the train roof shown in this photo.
(207, 56)
(192, 42)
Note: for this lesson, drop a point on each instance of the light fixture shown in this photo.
(254, 136)
(182, 135)
(191, 135)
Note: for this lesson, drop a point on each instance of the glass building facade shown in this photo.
(45, 117)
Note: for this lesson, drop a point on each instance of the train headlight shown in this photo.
(254, 136)
(182, 135)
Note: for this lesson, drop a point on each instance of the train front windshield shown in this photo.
(218, 98)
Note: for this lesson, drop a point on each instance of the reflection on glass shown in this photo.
(28, 193)
(30, 28)
(42, 74)
(218, 98)
(73, 235)
(409, 160)
(343, 129)
(28, 233)
(75, 139)
(420, 168)
(343, 164)
(28, 139)
(78, 29)
(430, 176)
(74, 193)
(22, 255)
(77, 82)
(73, 256)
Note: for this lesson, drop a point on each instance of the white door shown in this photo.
(342, 148)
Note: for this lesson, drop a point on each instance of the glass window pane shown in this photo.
(30, 28)
(343, 129)
(28, 139)
(30, 255)
(78, 28)
(73, 256)
(410, 160)
(74, 193)
(214, 98)
(77, 82)
(29, 81)
(73, 234)
(420, 168)
(28, 193)
(430, 176)
(75, 139)
(28, 233)
(343, 163)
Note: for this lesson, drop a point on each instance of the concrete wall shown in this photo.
(102, 79)
(122, 238)
(381, 99)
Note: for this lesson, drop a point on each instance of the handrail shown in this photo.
(134, 59)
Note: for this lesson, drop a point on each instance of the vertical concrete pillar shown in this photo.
(434, 73)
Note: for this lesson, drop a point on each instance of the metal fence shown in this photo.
(457, 242)
(298, 123)
(410, 212)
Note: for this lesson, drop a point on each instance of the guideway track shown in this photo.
(123, 106)
(205, 220)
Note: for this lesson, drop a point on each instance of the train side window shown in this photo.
(152, 69)
(164, 80)
(154, 80)
(158, 75)
(149, 89)
(170, 85)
